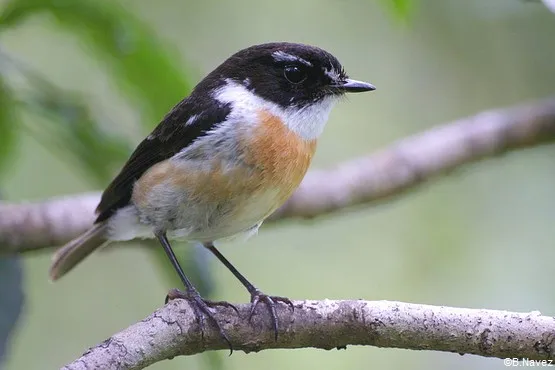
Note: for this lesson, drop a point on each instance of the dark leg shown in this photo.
(256, 295)
(200, 305)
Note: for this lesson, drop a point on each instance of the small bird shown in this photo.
(221, 161)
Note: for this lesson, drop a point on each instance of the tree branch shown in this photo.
(173, 331)
(366, 180)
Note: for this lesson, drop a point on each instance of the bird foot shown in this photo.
(271, 302)
(202, 308)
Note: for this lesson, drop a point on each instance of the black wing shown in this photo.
(167, 139)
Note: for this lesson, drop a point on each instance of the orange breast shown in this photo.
(219, 197)
(282, 156)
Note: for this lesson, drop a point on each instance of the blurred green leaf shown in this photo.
(402, 9)
(8, 125)
(72, 132)
(12, 299)
(140, 64)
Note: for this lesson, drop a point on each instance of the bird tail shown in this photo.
(68, 256)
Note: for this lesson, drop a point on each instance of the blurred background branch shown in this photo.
(173, 331)
(361, 181)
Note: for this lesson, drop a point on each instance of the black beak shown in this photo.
(354, 86)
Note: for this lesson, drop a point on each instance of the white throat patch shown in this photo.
(308, 122)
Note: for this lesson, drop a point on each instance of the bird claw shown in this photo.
(271, 301)
(202, 307)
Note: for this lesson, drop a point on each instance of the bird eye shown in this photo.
(294, 74)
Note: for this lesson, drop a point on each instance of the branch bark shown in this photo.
(366, 180)
(173, 331)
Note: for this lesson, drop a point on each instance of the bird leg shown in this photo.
(200, 305)
(256, 295)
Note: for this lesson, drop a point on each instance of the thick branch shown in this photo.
(173, 330)
(369, 179)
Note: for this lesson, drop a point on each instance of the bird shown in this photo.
(221, 161)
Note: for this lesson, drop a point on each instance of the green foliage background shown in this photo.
(81, 82)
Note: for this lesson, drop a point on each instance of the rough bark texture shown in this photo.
(366, 180)
(173, 331)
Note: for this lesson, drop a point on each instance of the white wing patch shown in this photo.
(191, 119)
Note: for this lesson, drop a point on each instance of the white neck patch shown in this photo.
(308, 122)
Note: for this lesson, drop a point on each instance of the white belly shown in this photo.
(240, 217)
